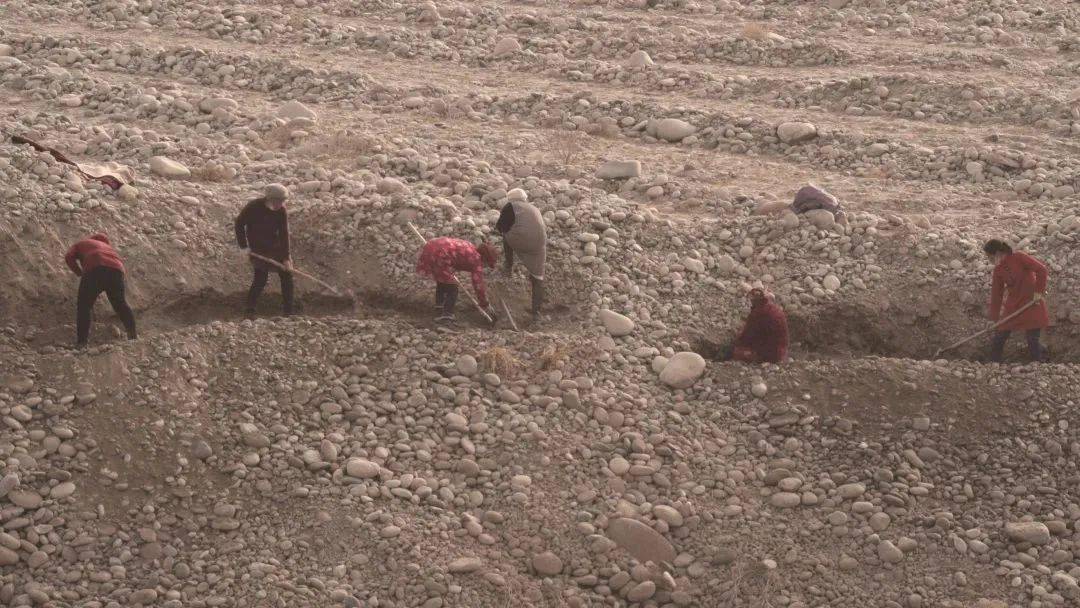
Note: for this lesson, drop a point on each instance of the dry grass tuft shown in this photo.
(755, 31)
(342, 144)
(753, 584)
(277, 138)
(500, 361)
(211, 172)
(336, 149)
(553, 356)
(566, 147)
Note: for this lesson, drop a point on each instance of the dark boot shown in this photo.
(258, 284)
(537, 297)
(450, 295)
(1035, 347)
(440, 296)
(287, 293)
(997, 346)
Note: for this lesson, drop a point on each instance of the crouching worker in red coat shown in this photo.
(99, 269)
(764, 336)
(1020, 279)
(442, 258)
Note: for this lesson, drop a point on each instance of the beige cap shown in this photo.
(276, 192)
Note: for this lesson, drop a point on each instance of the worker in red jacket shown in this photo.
(442, 258)
(764, 336)
(263, 225)
(1020, 279)
(100, 269)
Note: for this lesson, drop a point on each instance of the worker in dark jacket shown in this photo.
(99, 269)
(263, 225)
(764, 336)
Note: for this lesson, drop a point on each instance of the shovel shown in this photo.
(298, 272)
(992, 327)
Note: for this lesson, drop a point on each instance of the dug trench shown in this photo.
(53, 323)
(851, 331)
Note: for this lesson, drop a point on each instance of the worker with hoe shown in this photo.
(442, 258)
(1020, 280)
(99, 268)
(764, 336)
(524, 234)
(263, 225)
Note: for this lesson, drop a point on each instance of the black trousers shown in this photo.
(997, 344)
(446, 295)
(258, 284)
(92, 283)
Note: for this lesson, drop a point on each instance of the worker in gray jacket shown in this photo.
(525, 236)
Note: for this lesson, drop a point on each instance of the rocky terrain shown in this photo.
(358, 455)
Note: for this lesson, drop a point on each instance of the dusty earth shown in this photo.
(358, 455)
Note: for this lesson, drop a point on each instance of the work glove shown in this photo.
(245, 254)
(1038, 297)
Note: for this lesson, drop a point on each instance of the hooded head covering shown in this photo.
(100, 236)
(758, 296)
(276, 192)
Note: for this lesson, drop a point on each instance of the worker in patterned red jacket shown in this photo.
(442, 258)
(764, 336)
(99, 269)
(1019, 280)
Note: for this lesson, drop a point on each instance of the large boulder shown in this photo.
(617, 325)
(8, 557)
(464, 565)
(8, 483)
(26, 499)
(640, 59)
(796, 132)
(683, 370)
(390, 185)
(822, 219)
(252, 437)
(674, 130)
(166, 167)
(210, 104)
(71, 100)
(770, 207)
(619, 169)
(889, 553)
(785, 500)
(641, 541)
(294, 109)
(1033, 532)
(466, 365)
(506, 46)
(361, 468)
(547, 564)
